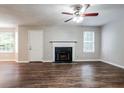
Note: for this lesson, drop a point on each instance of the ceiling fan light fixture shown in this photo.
(75, 19)
(78, 19)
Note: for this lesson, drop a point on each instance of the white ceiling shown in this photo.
(50, 14)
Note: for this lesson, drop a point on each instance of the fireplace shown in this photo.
(63, 54)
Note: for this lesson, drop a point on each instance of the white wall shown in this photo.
(112, 50)
(70, 33)
(58, 33)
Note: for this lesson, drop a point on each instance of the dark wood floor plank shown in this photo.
(49, 75)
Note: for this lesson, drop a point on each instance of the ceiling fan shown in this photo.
(79, 13)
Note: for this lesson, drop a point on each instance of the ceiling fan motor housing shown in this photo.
(76, 13)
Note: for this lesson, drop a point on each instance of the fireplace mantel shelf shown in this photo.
(62, 41)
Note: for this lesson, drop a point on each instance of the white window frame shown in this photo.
(93, 42)
(5, 51)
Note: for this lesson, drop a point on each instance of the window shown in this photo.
(7, 41)
(88, 42)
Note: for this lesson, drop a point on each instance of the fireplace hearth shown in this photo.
(63, 54)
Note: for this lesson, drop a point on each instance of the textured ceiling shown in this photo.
(50, 14)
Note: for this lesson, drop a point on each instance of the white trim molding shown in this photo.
(88, 60)
(75, 60)
(108, 62)
(48, 61)
(7, 60)
(23, 61)
(53, 61)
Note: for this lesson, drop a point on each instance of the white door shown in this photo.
(35, 43)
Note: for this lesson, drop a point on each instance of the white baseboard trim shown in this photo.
(76, 60)
(108, 62)
(7, 60)
(88, 60)
(22, 61)
(47, 61)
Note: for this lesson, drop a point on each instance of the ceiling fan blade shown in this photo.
(68, 20)
(90, 14)
(84, 8)
(87, 5)
(67, 13)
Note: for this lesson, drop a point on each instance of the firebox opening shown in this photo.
(63, 54)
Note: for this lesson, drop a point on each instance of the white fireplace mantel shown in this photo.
(64, 44)
(63, 41)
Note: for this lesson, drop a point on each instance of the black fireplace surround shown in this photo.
(63, 54)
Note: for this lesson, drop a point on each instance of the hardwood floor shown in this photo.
(75, 75)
